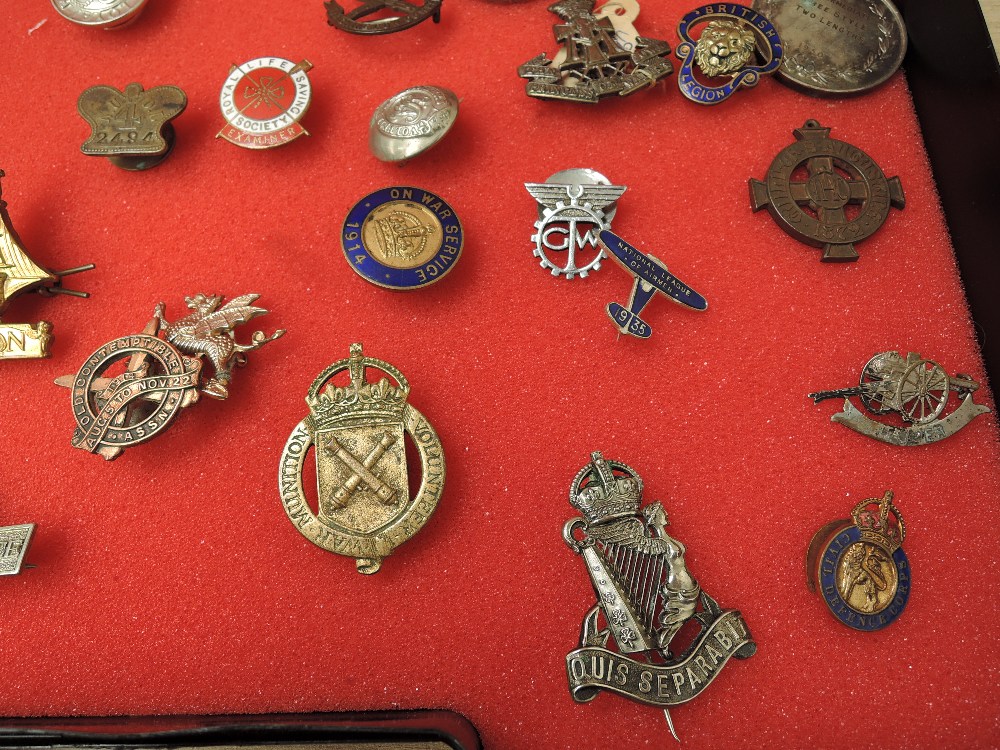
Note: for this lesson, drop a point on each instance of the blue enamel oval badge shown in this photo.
(402, 238)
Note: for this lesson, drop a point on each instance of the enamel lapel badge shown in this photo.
(132, 388)
(19, 274)
(858, 566)
(263, 101)
(814, 209)
(914, 392)
(645, 595)
(358, 431)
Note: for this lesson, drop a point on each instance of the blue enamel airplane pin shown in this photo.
(651, 276)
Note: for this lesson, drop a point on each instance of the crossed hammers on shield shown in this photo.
(360, 471)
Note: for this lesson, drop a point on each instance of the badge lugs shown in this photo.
(365, 510)
(645, 596)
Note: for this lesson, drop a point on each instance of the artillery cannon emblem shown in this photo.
(358, 430)
(132, 388)
(915, 390)
(645, 597)
(815, 210)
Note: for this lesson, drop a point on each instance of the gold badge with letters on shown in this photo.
(358, 431)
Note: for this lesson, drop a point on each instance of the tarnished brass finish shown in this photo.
(602, 55)
(858, 565)
(365, 509)
(131, 127)
(645, 595)
(132, 388)
(915, 390)
(813, 210)
(14, 541)
(19, 274)
(410, 14)
(724, 47)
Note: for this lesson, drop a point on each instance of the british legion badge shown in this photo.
(19, 274)
(915, 392)
(14, 541)
(858, 566)
(602, 54)
(815, 210)
(383, 16)
(572, 215)
(132, 388)
(365, 509)
(719, 51)
(402, 238)
(263, 100)
(645, 596)
(651, 276)
(131, 127)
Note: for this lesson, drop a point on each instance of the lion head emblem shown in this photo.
(724, 47)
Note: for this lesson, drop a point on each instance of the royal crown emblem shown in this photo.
(358, 429)
(645, 597)
(858, 566)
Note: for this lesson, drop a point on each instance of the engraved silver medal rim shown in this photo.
(395, 148)
(580, 176)
(122, 13)
(791, 42)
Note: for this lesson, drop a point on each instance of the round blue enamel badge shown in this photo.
(402, 238)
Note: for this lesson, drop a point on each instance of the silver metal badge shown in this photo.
(567, 235)
(14, 541)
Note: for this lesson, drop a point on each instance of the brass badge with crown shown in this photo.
(634, 641)
(858, 565)
(358, 430)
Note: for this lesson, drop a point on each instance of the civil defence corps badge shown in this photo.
(358, 431)
(645, 597)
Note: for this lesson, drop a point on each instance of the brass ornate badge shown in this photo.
(912, 390)
(131, 127)
(19, 274)
(602, 54)
(645, 597)
(132, 388)
(402, 14)
(815, 210)
(858, 566)
(14, 541)
(365, 509)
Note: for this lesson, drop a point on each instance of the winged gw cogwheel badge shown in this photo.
(645, 596)
(358, 430)
(916, 391)
(572, 219)
(132, 388)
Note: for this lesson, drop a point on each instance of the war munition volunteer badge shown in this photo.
(365, 509)
(645, 597)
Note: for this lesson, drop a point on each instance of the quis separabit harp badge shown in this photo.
(645, 596)
(358, 431)
(132, 388)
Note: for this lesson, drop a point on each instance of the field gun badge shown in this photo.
(132, 388)
(914, 391)
(814, 210)
(858, 566)
(645, 597)
(571, 216)
(383, 16)
(651, 276)
(14, 541)
(725, 51)
(602, 54)
(358, 431)
(19, 274)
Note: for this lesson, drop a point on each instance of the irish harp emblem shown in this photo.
(365, 510)
(645, 597)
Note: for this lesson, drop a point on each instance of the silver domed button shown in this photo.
(411, 122)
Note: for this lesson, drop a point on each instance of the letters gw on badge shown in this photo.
(358, 431)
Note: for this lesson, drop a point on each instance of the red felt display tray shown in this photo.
(171, 580)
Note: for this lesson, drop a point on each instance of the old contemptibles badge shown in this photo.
(858, 566)
(645, 596)
(365, 509)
